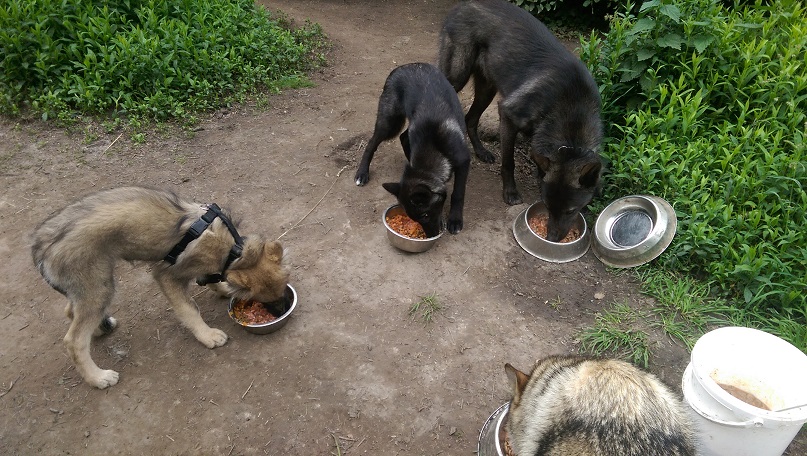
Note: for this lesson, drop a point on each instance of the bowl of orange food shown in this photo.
(263, 317)
(405, 233)
(530, 230)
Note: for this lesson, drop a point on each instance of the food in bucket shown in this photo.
(744, 396)
(249, 312)
(508, 450)
(538, 226)
(405, 226)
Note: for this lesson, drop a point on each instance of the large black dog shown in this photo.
(434, 144)
(546, 92)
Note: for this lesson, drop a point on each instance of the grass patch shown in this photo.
(616, 333)
(426, 308)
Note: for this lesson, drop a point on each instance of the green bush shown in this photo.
(540, 6)
(706, 106)
(152, 58)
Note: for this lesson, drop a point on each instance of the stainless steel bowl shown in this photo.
(289, 304)
(402, 242)
(633, 230)
(555, 252)
(488, 444)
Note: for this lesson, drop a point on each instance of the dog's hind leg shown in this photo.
(88, 318)
(455, 61)
(108, 324)
(186, 311)
(484, 92)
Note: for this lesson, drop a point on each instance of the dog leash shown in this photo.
(197, 228)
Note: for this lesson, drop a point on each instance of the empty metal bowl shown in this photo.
(633, 230)
(402, 242)
(287, 305)
(555, 252)
(488, 444)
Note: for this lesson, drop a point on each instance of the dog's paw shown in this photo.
(486, 156)
(108, 324)
(212, 338)
(454, 226)
(103, 379)
(512, 198)
(362, 178)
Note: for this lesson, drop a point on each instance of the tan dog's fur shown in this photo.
(76, 250)
(574, 405)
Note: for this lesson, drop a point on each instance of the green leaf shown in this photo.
(671, 40)
(670, 11)
(701, 42)
(644, 54)
(649, 4)
(642, 25)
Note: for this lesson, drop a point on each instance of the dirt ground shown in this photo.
(352, 372)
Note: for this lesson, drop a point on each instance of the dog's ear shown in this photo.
(392, 187)
(590, 174)
(518, 380)
(274, 251)
(543, 163)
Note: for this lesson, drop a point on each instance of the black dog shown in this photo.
(546, 93)
(434, 144)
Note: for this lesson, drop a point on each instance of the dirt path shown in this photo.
(352, 373)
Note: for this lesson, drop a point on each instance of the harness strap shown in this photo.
(193, 233)
(197, 228)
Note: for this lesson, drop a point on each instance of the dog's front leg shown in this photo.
(507, 136)
(186, 311)
(455, 222)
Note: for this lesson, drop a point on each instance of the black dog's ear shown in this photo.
(590, 174)
(543, 163)
(392, 187)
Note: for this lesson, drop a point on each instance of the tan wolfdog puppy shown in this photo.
(76, 249)
(572, 405)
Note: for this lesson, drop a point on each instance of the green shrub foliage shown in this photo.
(154, 58)
(537, 7)
(706, 106)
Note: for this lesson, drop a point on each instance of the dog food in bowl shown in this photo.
(405, 226)
(252, 313)
(505, 443)
(538, 225)
(263, 317)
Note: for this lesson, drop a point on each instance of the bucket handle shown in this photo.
(755, 422)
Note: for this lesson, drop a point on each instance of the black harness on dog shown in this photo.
(197, 228)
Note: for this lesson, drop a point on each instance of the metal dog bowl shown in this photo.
(488, 444)
(556, 252)
(633, 230)
(402, 242)
(289, 304)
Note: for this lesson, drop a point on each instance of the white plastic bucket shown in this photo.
(759, 363)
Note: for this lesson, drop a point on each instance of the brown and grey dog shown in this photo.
(595, 407)
(76, 249)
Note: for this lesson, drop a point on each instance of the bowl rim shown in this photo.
(389, 228)
(648, 249)
(499, 416)
(277, 320)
